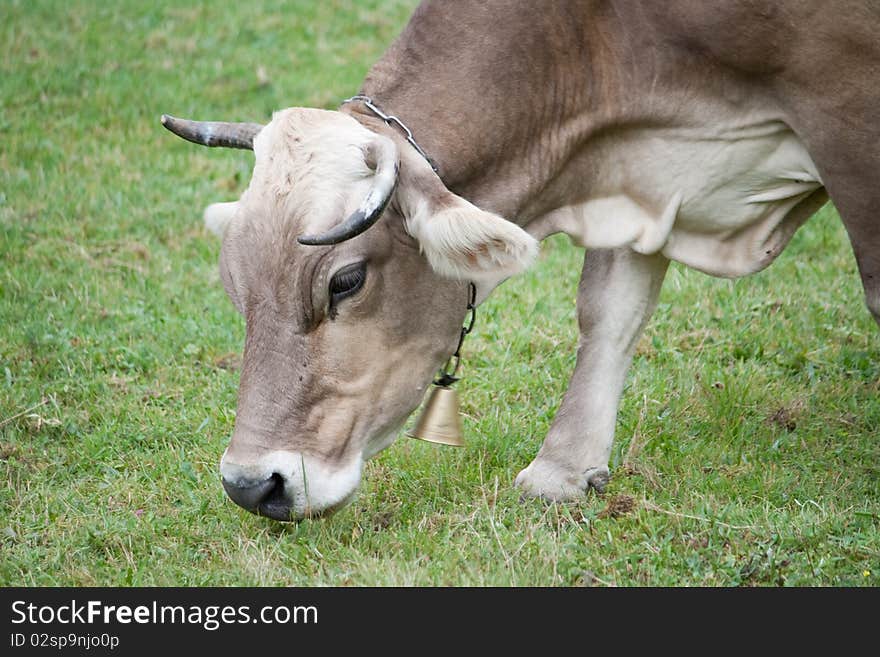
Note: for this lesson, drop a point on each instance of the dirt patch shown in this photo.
(784, 418)
(589, 578)
(618, 505)
(229, 362)
(382, 520)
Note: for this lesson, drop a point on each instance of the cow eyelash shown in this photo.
(347, 281)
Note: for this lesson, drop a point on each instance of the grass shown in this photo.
(747, 449)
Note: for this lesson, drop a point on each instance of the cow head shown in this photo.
(345, 326)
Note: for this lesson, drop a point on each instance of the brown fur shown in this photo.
(534, 83)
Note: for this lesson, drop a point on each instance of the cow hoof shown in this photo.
(598, 479)
(556, 484)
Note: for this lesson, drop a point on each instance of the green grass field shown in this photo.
(748, 440)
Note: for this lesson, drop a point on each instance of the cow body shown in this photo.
(600, 123)
(704, 133)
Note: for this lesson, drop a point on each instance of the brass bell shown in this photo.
(440, 421)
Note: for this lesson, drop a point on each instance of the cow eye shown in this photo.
(347, 281)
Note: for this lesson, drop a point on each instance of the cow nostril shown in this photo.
(275, 497)
(275, 504)
(265, 498)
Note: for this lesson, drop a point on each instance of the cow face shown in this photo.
(345, 327)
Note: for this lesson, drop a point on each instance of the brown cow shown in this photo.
(701, 132)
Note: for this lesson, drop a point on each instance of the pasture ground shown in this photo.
(747, 450)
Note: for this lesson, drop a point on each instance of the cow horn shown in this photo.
(214, 133)
(384, 153)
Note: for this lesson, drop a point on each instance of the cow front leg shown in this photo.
(617, 294)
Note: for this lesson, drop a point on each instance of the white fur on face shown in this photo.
(310, 485)
(312, 164)
(308, 162)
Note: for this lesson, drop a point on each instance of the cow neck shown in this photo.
(504, 97)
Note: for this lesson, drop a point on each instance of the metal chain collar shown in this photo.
(446, 377)
(391, 120)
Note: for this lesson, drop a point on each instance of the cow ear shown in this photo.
(218, 215)
(459, 239)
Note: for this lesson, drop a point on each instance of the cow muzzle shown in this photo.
(265, 498)
(289, 486)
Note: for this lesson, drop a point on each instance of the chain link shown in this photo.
(392, 120)
(446, 377)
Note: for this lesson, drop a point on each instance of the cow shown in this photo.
(701, 132)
